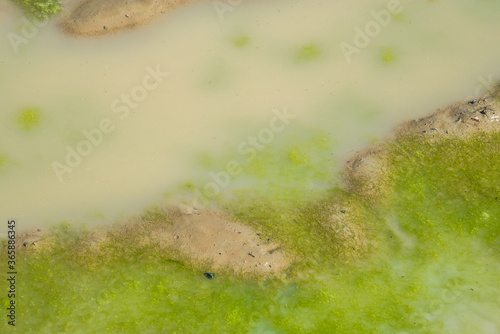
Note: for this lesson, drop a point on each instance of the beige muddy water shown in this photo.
(217, 93)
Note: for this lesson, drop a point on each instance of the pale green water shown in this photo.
(439, 230)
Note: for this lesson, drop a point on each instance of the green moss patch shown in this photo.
(42, 9)
(450, 187)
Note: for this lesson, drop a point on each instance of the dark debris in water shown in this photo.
(209, 275)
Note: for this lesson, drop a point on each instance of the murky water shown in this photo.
(95, 129)
(225, 78)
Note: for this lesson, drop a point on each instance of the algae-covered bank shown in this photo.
(414, 248)
(250, 167)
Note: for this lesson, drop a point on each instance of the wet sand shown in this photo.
(99, 17)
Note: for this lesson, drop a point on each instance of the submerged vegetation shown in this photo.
(451, 187)
(388, 55)
(240, 42)
(29, 118)
(308, 53)
(41, 9)
(421, 261)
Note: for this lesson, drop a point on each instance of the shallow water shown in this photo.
(435, 265)
(225, 77)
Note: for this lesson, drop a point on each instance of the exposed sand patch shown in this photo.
(98, 17)
(459, 119)
(35, 241)
(215, 242)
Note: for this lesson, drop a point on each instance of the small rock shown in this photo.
(209, 275)
(473, 102)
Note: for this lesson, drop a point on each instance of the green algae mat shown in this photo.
(429, 264)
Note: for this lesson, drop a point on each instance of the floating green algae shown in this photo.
(241, 41)
(432, 268)
(289, 170)
(29, 118)
(308, 53)
(400, 17)
(387, 55)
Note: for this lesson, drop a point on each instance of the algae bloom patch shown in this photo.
(29, 119)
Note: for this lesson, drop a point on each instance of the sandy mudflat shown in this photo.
(211, 241)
